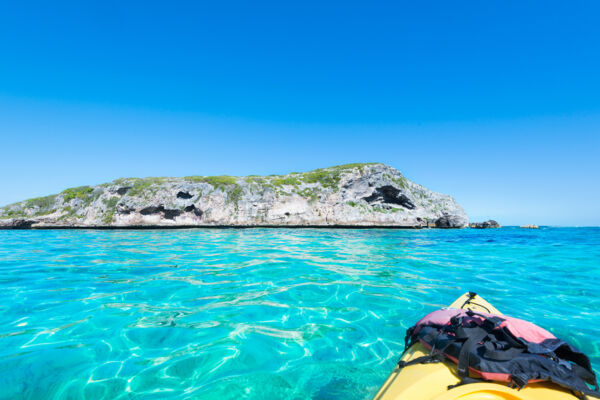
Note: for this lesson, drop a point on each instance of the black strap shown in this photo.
(466, 380)
(492, 352)
(511, 339)
(489, 322)
(434, 356)
(474, 336)
(519, 380)
(430, 358)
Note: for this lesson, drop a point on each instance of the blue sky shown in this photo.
(495, 103)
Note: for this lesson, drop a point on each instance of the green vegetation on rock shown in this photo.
(42, 203)
(286, 180)
(327, 178)
(352, 166)
(235, 195)
(10, 213)
(309, 193)
(141, 185)
(255, 179)
(69, 213)
(76, 193)
(36, 207)
(330, 177)
(384, 210)
(216, 181)
(111, 207)
(400, 182)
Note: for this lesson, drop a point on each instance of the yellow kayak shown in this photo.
(431, 381)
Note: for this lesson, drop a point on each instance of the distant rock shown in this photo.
(485, 225)
(450, 221)
(530, 227)
(347, 195)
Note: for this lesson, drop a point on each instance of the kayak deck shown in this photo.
(431, 381)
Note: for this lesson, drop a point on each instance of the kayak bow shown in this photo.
(432, 381)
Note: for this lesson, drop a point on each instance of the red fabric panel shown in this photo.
(518, 327)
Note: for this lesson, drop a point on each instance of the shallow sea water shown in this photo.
(264, 313)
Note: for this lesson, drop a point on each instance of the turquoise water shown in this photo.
(264, 313)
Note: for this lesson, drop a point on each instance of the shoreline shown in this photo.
(168, 227)
(338, 226)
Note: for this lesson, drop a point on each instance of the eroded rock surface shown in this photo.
(450, 221)
(347, 195)
(485, 225)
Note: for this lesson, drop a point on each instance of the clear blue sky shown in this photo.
(496, 103)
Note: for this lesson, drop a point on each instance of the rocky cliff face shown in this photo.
(347, 195)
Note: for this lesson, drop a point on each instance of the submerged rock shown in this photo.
(346, 195)
(484, 225)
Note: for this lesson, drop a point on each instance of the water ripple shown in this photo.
(264, 313)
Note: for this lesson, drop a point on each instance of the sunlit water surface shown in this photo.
(264, 313)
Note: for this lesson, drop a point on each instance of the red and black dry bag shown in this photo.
(488, 347)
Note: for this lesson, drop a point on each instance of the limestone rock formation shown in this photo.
(367, 195)
(484, 225)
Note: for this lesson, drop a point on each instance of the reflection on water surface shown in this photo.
(264, 313)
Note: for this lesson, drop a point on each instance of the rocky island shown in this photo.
(490, 223)
(352, 195)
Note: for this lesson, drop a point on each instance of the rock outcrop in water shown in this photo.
(490, 223)
(346, 195)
